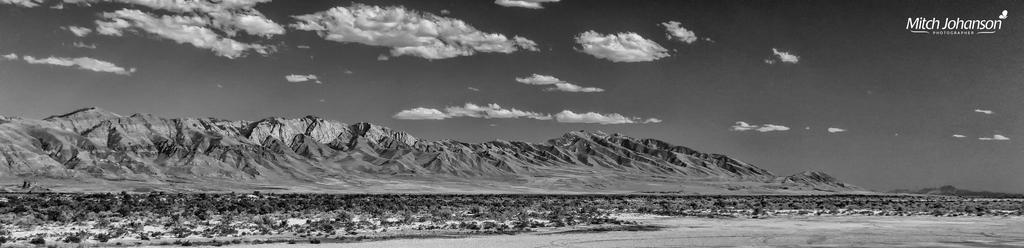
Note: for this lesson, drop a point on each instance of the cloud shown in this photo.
(744, 126)
(495, 111)
(677, 32)
(182, 29)
(567, 116)
(79, 44)
(652, 120)
(23, 3)
(996, 137)
(229, 16)
(984, 111)
(472, 88)
(79, 31)
(204, 24)
(529, 4)
(407, 32)
(84, 63)
(772, 127)
(302, 47)
(959, 136)
(302, 78)
(251, 22)
(421, 114)
(621, 47)
(781, 56)
(559, 85)
(10, 56)
(492, 111)
(489, 111)
(383, 57)
(836, 130)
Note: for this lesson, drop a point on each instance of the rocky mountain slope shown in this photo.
(93, 149)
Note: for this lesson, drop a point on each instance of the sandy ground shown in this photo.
(855, 231)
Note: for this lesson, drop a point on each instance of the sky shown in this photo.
(837, 86)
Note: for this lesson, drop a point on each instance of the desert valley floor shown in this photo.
(506, 220)
(846, 231)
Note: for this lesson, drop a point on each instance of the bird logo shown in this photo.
(1004, 15)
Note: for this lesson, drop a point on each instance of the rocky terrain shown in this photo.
(96, 150)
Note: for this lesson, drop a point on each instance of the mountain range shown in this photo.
(92, 149)
(950, 190)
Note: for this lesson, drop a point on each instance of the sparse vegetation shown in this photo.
(221, 219)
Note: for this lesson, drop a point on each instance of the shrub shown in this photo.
(102, 237)
(73, 239)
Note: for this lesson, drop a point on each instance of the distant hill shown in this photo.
(92, 149)
(953, 191)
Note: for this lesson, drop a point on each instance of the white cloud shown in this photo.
(251, 22)
(782, 56)
(79, 31)
(984, 111)
(179, 6)
(677, 32)
(652, 120)
(200, 23)
(407, 32)
(472, 88)
(421, 114)
(529, 4)
(383, 57)
(537, 79)
(489, 111)
(302, 78)
(492, 111)
(621, 47)
(744, 126)
(80, 44)
(495, 111)
(772, 128)
(229, 16)
(182, 29)
(995, 137)
(302, 47)
(23, 3)
(84, 63)
(567, 116)
(559, 85)
(10, 56)
(959, 136)
(836, 130)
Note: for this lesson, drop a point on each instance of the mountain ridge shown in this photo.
(95, 145)
(950, 190)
